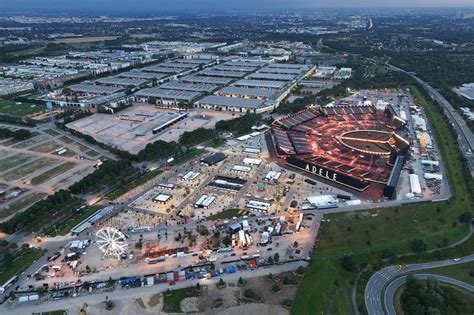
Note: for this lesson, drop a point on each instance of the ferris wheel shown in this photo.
(111, 242)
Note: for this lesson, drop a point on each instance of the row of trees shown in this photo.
(239, 125)
(42, 213)
(107, 175)
(21, 134)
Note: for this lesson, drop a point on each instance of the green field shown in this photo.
(52, 173)
(66, 139)
(23, 258)
(23, 109)
(92, 153)
(29, 168)
(461, 272)
(172, 303)
(13, 161)
(371, 236)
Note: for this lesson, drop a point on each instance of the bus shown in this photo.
(8, 284)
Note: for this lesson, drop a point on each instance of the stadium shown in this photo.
(359, 147)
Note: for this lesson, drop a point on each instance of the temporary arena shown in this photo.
(356, 146)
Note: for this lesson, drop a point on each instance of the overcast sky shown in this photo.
(157, 6)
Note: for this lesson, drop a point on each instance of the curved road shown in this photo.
(378, 282)
(389, 295)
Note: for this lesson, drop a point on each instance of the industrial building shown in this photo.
(204, 201)
(233, 91)
(214, 158)
(164, 96)
(260, 84)
(234, 104)
(91, 89)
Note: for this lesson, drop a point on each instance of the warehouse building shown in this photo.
(162, 198)
(260, 84)
(205, 201)
(222, 73)
(214, 158)
(116, 81)
(192, 87)
(233, 104)
(164, 96)
(206, 80)
(94, 90)
(228, 183)
(241, 169)
(136, 74)
(271, 76)
(234, 91)
(191, 176)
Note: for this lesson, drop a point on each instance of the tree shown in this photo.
(227, 240)
(270, 260)
(240, 282)
(221, 282)
(466, 217)
(276, 257)
(198, 286)
(348, 262)
(418, 246)
(295, 244)
(212, 266)
(152, 100)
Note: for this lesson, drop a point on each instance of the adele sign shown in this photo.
(345, 179)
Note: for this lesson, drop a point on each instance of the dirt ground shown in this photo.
(204, 304)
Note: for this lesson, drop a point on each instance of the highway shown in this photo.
(398, 282)
(465, 136)
(379, 281)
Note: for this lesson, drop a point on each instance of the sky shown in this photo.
(157, 6)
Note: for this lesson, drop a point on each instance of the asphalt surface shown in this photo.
(398, 282)
(374, 291)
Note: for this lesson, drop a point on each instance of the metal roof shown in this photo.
(260, 83)
(171, 94)
(242, 91)
(120, 81)
(272, 76)
(206, 79)
(173, 85)
(95, 89)
(231, 101)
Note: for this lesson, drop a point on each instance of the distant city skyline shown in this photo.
(156, 6)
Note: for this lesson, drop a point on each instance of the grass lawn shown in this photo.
(228, 214)
(132, 184)
(460, 272)
(22, 260)
(52, 173)
(23, 109)
(171, 303)
(92, 153)
(64, 227)
(372, 235)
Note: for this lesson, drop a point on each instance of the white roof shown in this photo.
(162, 197)
(241, 168)
(415, 184)
(321, 201)
(252, 161)
(191, 175)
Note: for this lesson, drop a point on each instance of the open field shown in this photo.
(74, 40)
(461, 272)
(46, 147)
(52, 173)
(373, 235)
(21, 203)
(23, 109)
(13, 161)
(51, 132)
(30, 142)
(66, 139)
(29, 169)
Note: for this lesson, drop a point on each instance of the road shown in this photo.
(465, 136)
(376, 285)
(398, 282)
(127, 293)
